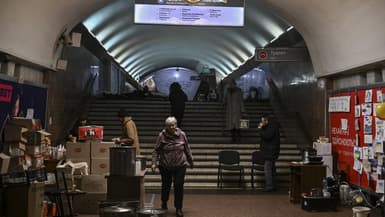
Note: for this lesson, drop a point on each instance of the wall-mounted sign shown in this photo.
(281, 54)
(339, 104)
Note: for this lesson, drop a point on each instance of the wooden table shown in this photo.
(305, 177)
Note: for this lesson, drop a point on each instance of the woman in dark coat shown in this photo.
(233, 100)
(178, 100)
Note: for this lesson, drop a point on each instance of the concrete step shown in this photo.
(204, 125)
(226, 146)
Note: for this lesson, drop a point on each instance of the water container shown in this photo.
(361, 211)
(122, 161)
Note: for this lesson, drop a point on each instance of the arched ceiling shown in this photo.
(143, 49)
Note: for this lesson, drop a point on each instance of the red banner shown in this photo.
(5, 93)
(348, 130)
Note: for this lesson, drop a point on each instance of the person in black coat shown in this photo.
(270, 147)
(178, 100)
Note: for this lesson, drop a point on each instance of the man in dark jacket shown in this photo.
(178, 100)
(270, 147)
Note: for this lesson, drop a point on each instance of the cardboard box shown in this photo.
(100, 149)
(323, 148)
(90, 133)
(34, 161)
(15, 149)
(16, 164)
(14, 133)
(36, 137)
(100, 166)
(328, 161)
(50, 165)
(24, 200)
(33, 149)
(4, 163)
(30, 124)
(94, 183)
(79, 150)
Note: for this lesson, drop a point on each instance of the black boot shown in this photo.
(238, 135)
(233, 136)
(179, 213)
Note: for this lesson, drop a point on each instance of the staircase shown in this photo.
(204, 125)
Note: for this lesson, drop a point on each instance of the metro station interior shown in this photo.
(315, 67)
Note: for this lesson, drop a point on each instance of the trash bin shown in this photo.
(122, 161)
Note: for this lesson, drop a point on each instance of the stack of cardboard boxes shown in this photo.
(25, 148)
(96, 154)
(26, 144)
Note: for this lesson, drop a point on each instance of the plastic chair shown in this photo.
(229, 160)
(257, 164)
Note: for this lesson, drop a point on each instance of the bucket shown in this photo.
(143, 161)
(344, 194)
(361, 211)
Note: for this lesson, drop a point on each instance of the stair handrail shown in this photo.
(85, 100)
(278, 99)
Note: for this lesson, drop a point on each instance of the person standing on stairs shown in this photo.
(233, 101)
(129, 132)
(270, 148)
(178, 100)
(173, 153)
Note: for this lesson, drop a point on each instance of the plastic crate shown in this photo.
(24, 177)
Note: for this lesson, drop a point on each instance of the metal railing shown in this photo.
(281, 108)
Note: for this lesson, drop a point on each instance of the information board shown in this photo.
(185, 12)
(357, 136)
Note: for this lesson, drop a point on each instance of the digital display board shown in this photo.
(190, 12)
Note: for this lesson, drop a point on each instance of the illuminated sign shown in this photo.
(190, 12)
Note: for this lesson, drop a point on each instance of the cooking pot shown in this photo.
(133, 204)
(116, 211)
(151, 212)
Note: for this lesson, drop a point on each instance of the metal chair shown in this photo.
(229, 160)
(61, 190)
(257, 164)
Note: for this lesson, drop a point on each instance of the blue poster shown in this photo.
(17, 98)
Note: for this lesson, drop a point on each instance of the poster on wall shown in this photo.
(358, 146)
(339, 104)
(22, 100)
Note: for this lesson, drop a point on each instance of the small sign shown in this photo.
(244, 124)
(281, 54)
(195, 78)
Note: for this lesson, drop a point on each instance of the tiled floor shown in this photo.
(243, 205)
